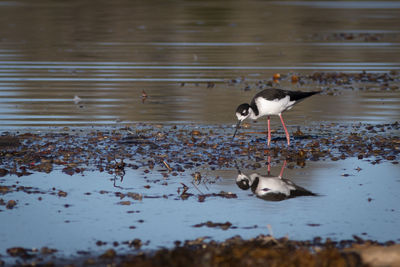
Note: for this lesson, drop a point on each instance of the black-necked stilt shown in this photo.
(271, 187)
(270, 102)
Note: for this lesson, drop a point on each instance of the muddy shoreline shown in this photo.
(235, 251)
(178, 148)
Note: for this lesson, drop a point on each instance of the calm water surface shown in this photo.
(363, 204)
(108, 53)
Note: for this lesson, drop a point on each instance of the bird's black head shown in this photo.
(243, 182)
(242, 111)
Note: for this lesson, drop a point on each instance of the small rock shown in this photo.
(136, 243)
(11, 204)
(62, 193)
(46, 250)
(109, 254)
(126, 203)
(18, 252)
(3, 172)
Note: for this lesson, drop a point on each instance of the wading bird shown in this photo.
(270, 102)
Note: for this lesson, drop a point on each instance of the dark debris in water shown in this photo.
(8, 141)
(183, 149)
(26, 253)
(222, 194)
(354, 36)
(330, 83)
(223, 226)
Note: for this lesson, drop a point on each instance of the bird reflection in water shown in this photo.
(271, 187)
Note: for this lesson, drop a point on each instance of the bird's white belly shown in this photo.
(274, 185)
(273, 107)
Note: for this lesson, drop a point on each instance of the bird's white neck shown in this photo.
(252, 115)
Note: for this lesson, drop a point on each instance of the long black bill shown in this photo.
(237, 167)
(237, 127)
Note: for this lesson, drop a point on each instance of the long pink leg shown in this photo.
(269, 132)
(284, 127)
(269, 164)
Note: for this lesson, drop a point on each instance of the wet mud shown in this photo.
(176, 149)
(263, 249)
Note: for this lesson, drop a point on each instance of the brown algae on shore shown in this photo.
(235, 251)
(76, 152)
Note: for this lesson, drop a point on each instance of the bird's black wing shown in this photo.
(271, 94)
(277, 94)
(299, 95)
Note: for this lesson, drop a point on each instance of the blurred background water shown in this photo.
(107, 53)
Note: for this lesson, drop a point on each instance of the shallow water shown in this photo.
(185, 56)
(364, 203)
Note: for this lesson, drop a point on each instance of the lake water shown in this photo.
(363, 204)
(108, 53)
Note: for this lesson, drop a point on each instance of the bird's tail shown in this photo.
(299, 95)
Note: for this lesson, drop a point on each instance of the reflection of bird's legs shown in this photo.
(286, 132)
(283, 168)
(269, 132)
(269, 164)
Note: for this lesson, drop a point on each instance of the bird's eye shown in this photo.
(244, 112)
